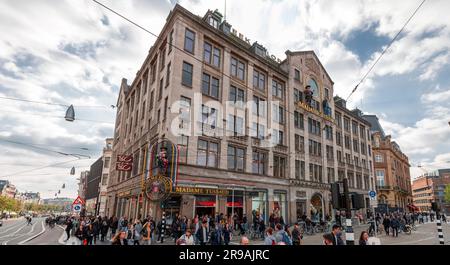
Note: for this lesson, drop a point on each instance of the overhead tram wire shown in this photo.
(171, 44)
(44, 149)
(55, 116)
(54, 104)
(46, 166)
(385, 49)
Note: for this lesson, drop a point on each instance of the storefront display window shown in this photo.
(280, 205)
(235, 204)
(205, 205)
(259, 205)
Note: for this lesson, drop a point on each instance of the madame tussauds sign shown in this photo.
(201, 191)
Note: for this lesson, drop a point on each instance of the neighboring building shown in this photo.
(107, 153)
(82, 184)
(354, 151)
(431, 188)
(281, 160)
(30, 197)
(393, 179)
(66, 203)
(7, 189)
(93, 187)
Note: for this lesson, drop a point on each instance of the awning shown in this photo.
(413, 207)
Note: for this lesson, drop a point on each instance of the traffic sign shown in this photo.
(77, 207)
(78, 200)
(373, 195)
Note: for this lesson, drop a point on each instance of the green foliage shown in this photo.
(447, 193)
(14, 205)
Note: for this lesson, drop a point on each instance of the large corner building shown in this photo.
(315, 143)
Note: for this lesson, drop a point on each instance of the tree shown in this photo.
(447, 193)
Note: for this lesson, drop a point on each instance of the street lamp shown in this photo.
(70, 114)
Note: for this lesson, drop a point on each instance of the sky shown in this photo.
(75, 52)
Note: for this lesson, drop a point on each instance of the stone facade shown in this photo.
(289, 178)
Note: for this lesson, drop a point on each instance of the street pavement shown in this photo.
(17, 231)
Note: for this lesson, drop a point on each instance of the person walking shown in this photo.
(281, 235)
(79, 234)
(147, 233)
(296, 235)
(104, 229)
(69, 226)
(363, 238)
(336, 234)
(270, 239)
(226, 231)
(89, 233)
(137, 232)
(113, 224)
(120, 238)
(95, 230)
(386, 225)
(395, 224)
(202, 234)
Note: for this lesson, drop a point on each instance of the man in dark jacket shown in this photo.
(69, 226)
(395, 224)
(336, 233)
(296, 236)
(202, 234)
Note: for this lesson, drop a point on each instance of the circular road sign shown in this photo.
(372, 194)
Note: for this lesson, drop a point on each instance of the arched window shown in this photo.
(314, 88)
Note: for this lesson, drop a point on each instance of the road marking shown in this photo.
(13, 234)
(409, 242)
(33, 237)
(11, 228)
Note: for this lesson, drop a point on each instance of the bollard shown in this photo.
(440, 233)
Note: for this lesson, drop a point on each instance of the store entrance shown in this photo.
(203, 211)
(205, 205)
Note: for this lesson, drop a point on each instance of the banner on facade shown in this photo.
(124, 163)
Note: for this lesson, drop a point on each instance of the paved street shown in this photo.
(17, 231)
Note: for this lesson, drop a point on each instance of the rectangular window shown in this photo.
(380, 177)
(165, 108)
(216, 57)
(314, 127)
(207, 52)
(259, 106)
(236, 158)
(186, 79)
(297, 74)
(298, 120)
(235, 125)
(299, 143)
(259, 163)
(330, 153)
(363, 148)
(209, 118)
(170, 41)
(329, 132)
(298, 96)
(259, 80)
(189, 41)
(152, 95)
(153, 71)
(237, 68)
(104, 179)
(278, 114)
(378, 158)
(237, 95)
(161, 86)
(338, 118)
(355, 145)
(346, 124)
(355, 128)
(168, 74)
(339, 138)
(162, 59)
(347, 141)
(210, 86)
(362, 132)
(315, 148)
(143, 111)
(107, 162)
(277, 89)
(207, 153)
(258, 131)
(278, 137)
(183, 142)
(211, 54)
(279, 166)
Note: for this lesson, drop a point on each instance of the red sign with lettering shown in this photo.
(124, 163)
